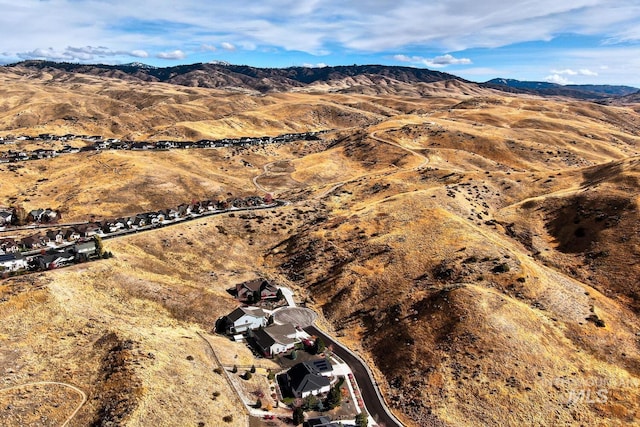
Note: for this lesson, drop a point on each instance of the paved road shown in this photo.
(373, 401)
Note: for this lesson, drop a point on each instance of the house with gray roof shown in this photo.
(244, 319)
(275, 339)
(304, 380)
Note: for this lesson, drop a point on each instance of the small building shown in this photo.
(304, 380)
(256, 290)
(275, 339)
(12, 262)
(243, 319)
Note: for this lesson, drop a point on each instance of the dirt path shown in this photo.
(265, 171)
(74, 388)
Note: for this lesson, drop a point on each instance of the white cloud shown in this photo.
(208, 47)
(139, 53)
(74, 53)
(558, 79)
(587, 72)
(311, 26)
(318, 65)
(173, 55)
(228, 46)
(580, 72)
(438, 61)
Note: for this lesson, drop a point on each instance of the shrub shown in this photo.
(253, 369)
(247, 375)
(234, 369)
(501, 268)
(227, 418)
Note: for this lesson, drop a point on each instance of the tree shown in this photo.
(19, 215)
(318, 346)
(235, 369)
(310, 402)
(253, 369)
(279, 295)
(362, 419)
(258, 404)
(271, 376)
(247, 375)
(99, 245)
(298, 415)
(335, 396)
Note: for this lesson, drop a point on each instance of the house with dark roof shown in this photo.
(256, 290)
(243, 319)
(304, 380)
(320, 422)
(275, 339)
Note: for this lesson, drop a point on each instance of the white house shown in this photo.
(275, 339)
(12, 262)
(243, 319)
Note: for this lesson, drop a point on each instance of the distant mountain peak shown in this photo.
(140, 65)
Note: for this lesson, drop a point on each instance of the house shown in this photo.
(12, 262)
(304, 380)
(71, 234)
(86, 249)
(139, 221)
(56, 236)
(5, 217)
(275, 339)
(88, 230)
(243, 319)
(35, 215)
(9, 246)
(59, 259)
(320, 422)
(31, 242)
(255, 290)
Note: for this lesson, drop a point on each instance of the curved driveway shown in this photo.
(371, 397)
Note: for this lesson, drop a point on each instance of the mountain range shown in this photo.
(339, 78)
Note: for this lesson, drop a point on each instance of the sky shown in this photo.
(560, 41)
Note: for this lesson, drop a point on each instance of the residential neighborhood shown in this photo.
(99, 143)
(60, 246)
(312, 379)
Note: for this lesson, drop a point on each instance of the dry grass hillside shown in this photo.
(481, 251)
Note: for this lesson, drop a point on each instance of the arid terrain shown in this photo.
(480, 249)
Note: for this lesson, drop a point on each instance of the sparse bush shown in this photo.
(501, 268)
(596, 320)
(218, 371)
(227, 418)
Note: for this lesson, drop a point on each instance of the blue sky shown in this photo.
(567, 41)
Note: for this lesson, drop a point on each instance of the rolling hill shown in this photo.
(478, 248)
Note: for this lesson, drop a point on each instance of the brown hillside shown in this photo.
(479, 250)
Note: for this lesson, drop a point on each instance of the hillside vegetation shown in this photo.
(480, 250)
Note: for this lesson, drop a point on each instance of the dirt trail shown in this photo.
(74, 388)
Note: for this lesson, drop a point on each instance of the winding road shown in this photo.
(371, 395)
